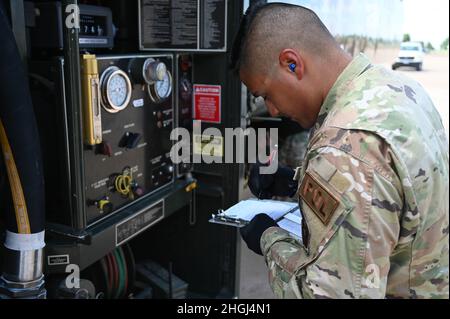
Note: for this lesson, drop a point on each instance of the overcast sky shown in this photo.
(425, 20)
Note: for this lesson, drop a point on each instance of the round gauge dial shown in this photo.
(116, 89)
(164, 88)
(161, 90)
(153, 71)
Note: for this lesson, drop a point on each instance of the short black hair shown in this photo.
(239, 39)
(268, 27)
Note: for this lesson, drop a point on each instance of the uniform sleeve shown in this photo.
(351, 226)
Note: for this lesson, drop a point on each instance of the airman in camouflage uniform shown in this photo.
(373, 186)
(373, 194)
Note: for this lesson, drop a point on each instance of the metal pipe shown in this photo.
(23, 275)
(23, 266)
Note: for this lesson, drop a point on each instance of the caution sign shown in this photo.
(207, 103)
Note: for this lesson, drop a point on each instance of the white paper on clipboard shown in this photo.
(286, 214)
(247, 209)
(292, 222)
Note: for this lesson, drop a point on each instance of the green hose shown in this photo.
(121, 274)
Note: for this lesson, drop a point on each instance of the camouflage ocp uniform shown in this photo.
(373, 193)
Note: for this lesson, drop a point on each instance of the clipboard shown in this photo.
(242, 213)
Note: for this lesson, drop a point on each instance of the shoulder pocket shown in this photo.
(323, 210)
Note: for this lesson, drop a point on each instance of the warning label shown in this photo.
(208, 145)
(207, 103)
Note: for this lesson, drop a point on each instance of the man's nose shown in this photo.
(272, 109)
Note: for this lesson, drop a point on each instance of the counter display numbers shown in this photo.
(183, 25)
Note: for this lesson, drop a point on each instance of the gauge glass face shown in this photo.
(164, 88)
(117, 90)
(161, 71)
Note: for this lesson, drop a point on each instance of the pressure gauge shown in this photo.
(161, 89)
(116, 89)
(153, 71)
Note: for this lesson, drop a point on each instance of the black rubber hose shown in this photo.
(17, 116)
(131, 266)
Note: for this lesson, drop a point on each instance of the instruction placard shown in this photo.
(180, 25)
(207, 103)
(208, 145)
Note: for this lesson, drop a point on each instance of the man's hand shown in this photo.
(253, 231)
(266, 186)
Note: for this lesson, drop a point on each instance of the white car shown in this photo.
(411, 54)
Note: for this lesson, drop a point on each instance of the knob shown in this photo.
(130, 140)
(104, 148)
(105, 206)
(185, 65)
(154, 70)
(191, 187)
(138, 191)
(169, 169)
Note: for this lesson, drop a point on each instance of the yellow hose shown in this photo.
(20, 206)
(123, 183)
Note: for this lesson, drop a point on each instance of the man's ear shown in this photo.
(291, 61)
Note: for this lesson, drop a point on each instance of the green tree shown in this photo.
(430, 47)
(444, 45)
(406, 37)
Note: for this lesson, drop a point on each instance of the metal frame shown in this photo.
(70, 139)
(85, 244)
(154, 55)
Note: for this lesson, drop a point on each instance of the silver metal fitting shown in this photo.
(22, 274)
(23, 266)
(22, 290)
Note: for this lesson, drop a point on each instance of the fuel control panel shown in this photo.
(130, 102)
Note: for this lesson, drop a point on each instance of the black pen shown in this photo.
(272, 155)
